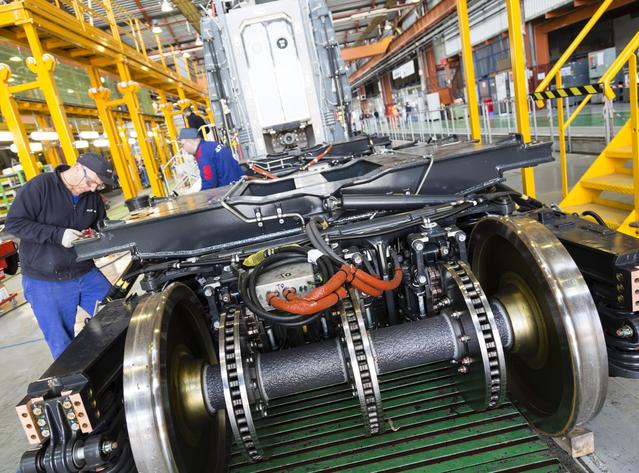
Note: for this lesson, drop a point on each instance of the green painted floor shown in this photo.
(428, 428)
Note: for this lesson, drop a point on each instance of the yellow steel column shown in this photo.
(43, 65)
(518, 63)
(167, 111)
(101, 96)
(469, 69)
(561, 131)
(11, 114)
(49, 150)
(209, 114)
(126, 150)
(634, 129)
(129, 90)
(159, 144)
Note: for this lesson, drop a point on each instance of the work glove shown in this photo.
(70, 235)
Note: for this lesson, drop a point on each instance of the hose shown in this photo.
(595, 215)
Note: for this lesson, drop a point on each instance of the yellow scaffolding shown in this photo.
(66, 29)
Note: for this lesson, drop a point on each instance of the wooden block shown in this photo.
(578, 443)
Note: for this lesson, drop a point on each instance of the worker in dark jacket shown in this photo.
(217, 165)
(194, 121)
(49, 214)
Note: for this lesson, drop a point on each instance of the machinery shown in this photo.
(276, 77)
(352, 315)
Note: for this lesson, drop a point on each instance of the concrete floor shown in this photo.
(24, 356)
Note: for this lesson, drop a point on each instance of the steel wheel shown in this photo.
(557, 366)
(169, 427)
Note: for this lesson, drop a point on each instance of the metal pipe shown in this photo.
(393, 202)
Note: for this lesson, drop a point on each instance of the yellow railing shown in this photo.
(634, 125)
(555, 73)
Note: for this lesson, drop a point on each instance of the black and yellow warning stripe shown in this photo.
(576, 91)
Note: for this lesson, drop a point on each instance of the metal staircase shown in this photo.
(609, 189)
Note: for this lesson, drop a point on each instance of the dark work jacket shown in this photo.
(38, 216)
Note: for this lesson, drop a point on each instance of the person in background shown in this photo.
(194, 121)
(49, 214)
(215, 161)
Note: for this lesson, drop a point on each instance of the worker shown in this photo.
(49, 214)
(215, 161)
(194, 121)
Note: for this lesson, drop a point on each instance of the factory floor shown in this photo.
(24, 356)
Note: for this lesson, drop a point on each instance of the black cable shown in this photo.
(313, 234)
(280, 257)
(595, 215)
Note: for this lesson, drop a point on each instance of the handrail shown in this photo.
(571, 49)
(607, 77)
(617, 65)
(634, 126)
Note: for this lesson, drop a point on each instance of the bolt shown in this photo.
(216, 325)
(625, 331)
(466, 360)
(226, 298)
(70, 416)
(444, 251)
(208, 292)
(422, 279)
(74, 426)
(66, 405)
(461, 236)
(419, 246)
(620, 298)
(462, 370)
(108, 447)
(619, 287)
(42, 422)
(37, 411)
(464, 338)
(455, 315)
(619, 277)
(45, 433)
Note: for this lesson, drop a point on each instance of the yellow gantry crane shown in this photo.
(91, 34)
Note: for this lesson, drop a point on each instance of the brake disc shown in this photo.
(169, 427)
(557, 365)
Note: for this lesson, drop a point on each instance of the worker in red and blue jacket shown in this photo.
(217, 165)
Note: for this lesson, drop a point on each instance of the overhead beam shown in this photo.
(432, 17)
(190, 12)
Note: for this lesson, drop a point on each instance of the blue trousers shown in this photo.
(55, 304)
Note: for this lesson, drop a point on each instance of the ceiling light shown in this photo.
(150, 134)
(132, 141)
(133, 134)
(388, 26)
(11, 79)
(102, 79)
(166, 6)
(198, 41)
(70, 91)
(156, 29)
(35, 147)
(89, 135)
(15, 59)
(186, 55)
(6, 136)
(81, 144)
(101, 143)
(44, 136)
